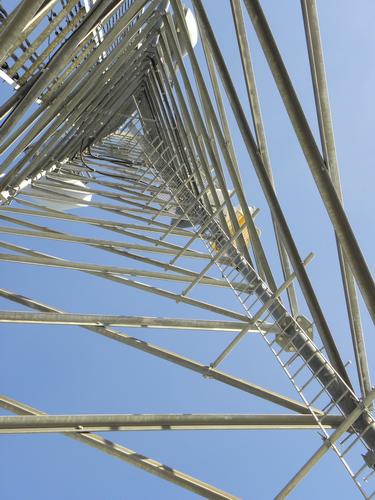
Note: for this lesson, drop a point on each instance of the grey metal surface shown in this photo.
(114, 118)
(103, 423)
(310, 13)
(315, 161)
(343, 427)
(121, 452)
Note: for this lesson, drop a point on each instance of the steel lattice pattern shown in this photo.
(118, 167)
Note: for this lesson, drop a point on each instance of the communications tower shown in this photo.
(138, 195)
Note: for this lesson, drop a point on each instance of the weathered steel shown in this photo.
(103, 423)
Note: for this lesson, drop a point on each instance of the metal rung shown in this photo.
(245, 295)
(346, 438)
(206, 223)
(270, 344)
(235, 278)
(318, 396)
(329, 407)
(158, 172)
(258, 298)
(304, 364)
(171, 229)
(360, 470)
(248, 298)
(312, 377)
(357, 438)
(243, 280)
(217, 256)
(280, 290)
(166, 184)
(166, 202)
(148, 156)
(250, 289)
(269, 313)
(366, 478)
(231, 271)
(307, 360)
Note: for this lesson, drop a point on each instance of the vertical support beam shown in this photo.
(272, 200)
(323, 109)
(314, 159)
(260, 134)
(261, 259)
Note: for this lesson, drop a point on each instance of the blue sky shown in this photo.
(65, 370)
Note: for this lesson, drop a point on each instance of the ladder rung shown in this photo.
(313, 377)
(333, 403)
(357, 438)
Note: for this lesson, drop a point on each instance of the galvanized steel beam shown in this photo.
(119, 451)
(160, 422)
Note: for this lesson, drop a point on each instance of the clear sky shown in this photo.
(64, 370)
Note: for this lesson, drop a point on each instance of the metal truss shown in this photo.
(117, 144)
